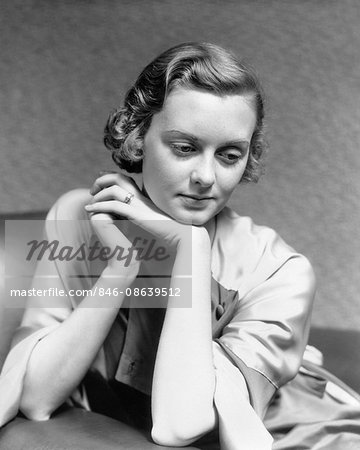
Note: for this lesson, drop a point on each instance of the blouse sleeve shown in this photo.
(261, 347)
(239, 425)
(43, 314)
(268, 333)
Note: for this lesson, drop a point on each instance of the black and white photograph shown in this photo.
(179, 224)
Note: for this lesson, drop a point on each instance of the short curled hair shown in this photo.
(191, 65)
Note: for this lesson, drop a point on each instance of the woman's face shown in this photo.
(195, 153)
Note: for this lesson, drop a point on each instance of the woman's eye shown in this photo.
(230, 157)
(182, 149)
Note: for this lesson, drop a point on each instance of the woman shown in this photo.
(190, 130)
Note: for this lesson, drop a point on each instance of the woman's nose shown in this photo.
(203, 173)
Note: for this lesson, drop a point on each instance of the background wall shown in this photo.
(66, 64)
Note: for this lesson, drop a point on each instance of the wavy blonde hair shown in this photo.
(191, 65)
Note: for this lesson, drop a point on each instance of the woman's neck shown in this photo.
(211, 227)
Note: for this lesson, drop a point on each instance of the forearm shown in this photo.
(184, 378)
(59, 361)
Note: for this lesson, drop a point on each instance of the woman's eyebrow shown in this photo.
(182, 134)
(236, 142)
(233, 142)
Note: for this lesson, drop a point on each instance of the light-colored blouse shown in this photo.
(262, 295)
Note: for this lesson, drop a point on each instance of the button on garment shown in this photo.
(219, 311)
(223, 305)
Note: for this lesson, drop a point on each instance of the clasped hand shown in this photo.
(109, 192)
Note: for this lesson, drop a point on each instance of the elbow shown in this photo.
(170, 437)
(178, 435)
(34, 412)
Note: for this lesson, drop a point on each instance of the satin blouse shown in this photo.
(261, 298)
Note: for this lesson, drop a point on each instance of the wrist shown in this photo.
(196, 239)
(119, 276)
(200, 233)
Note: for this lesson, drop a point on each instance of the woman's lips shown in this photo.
(195, 201)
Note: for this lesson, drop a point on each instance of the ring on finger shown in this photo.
(128, 198)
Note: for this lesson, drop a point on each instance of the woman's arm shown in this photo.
(184, 377)
(61, 359)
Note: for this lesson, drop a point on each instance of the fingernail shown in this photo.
(88, 207)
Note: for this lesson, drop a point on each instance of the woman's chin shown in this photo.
(187, 216)
(192, 219)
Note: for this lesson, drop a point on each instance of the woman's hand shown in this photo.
(110, 192)
(113, 239)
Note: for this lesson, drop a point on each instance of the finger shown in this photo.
(113, 193)
(104, 180)
(109, 207)
(110, 179)
(104, 172)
